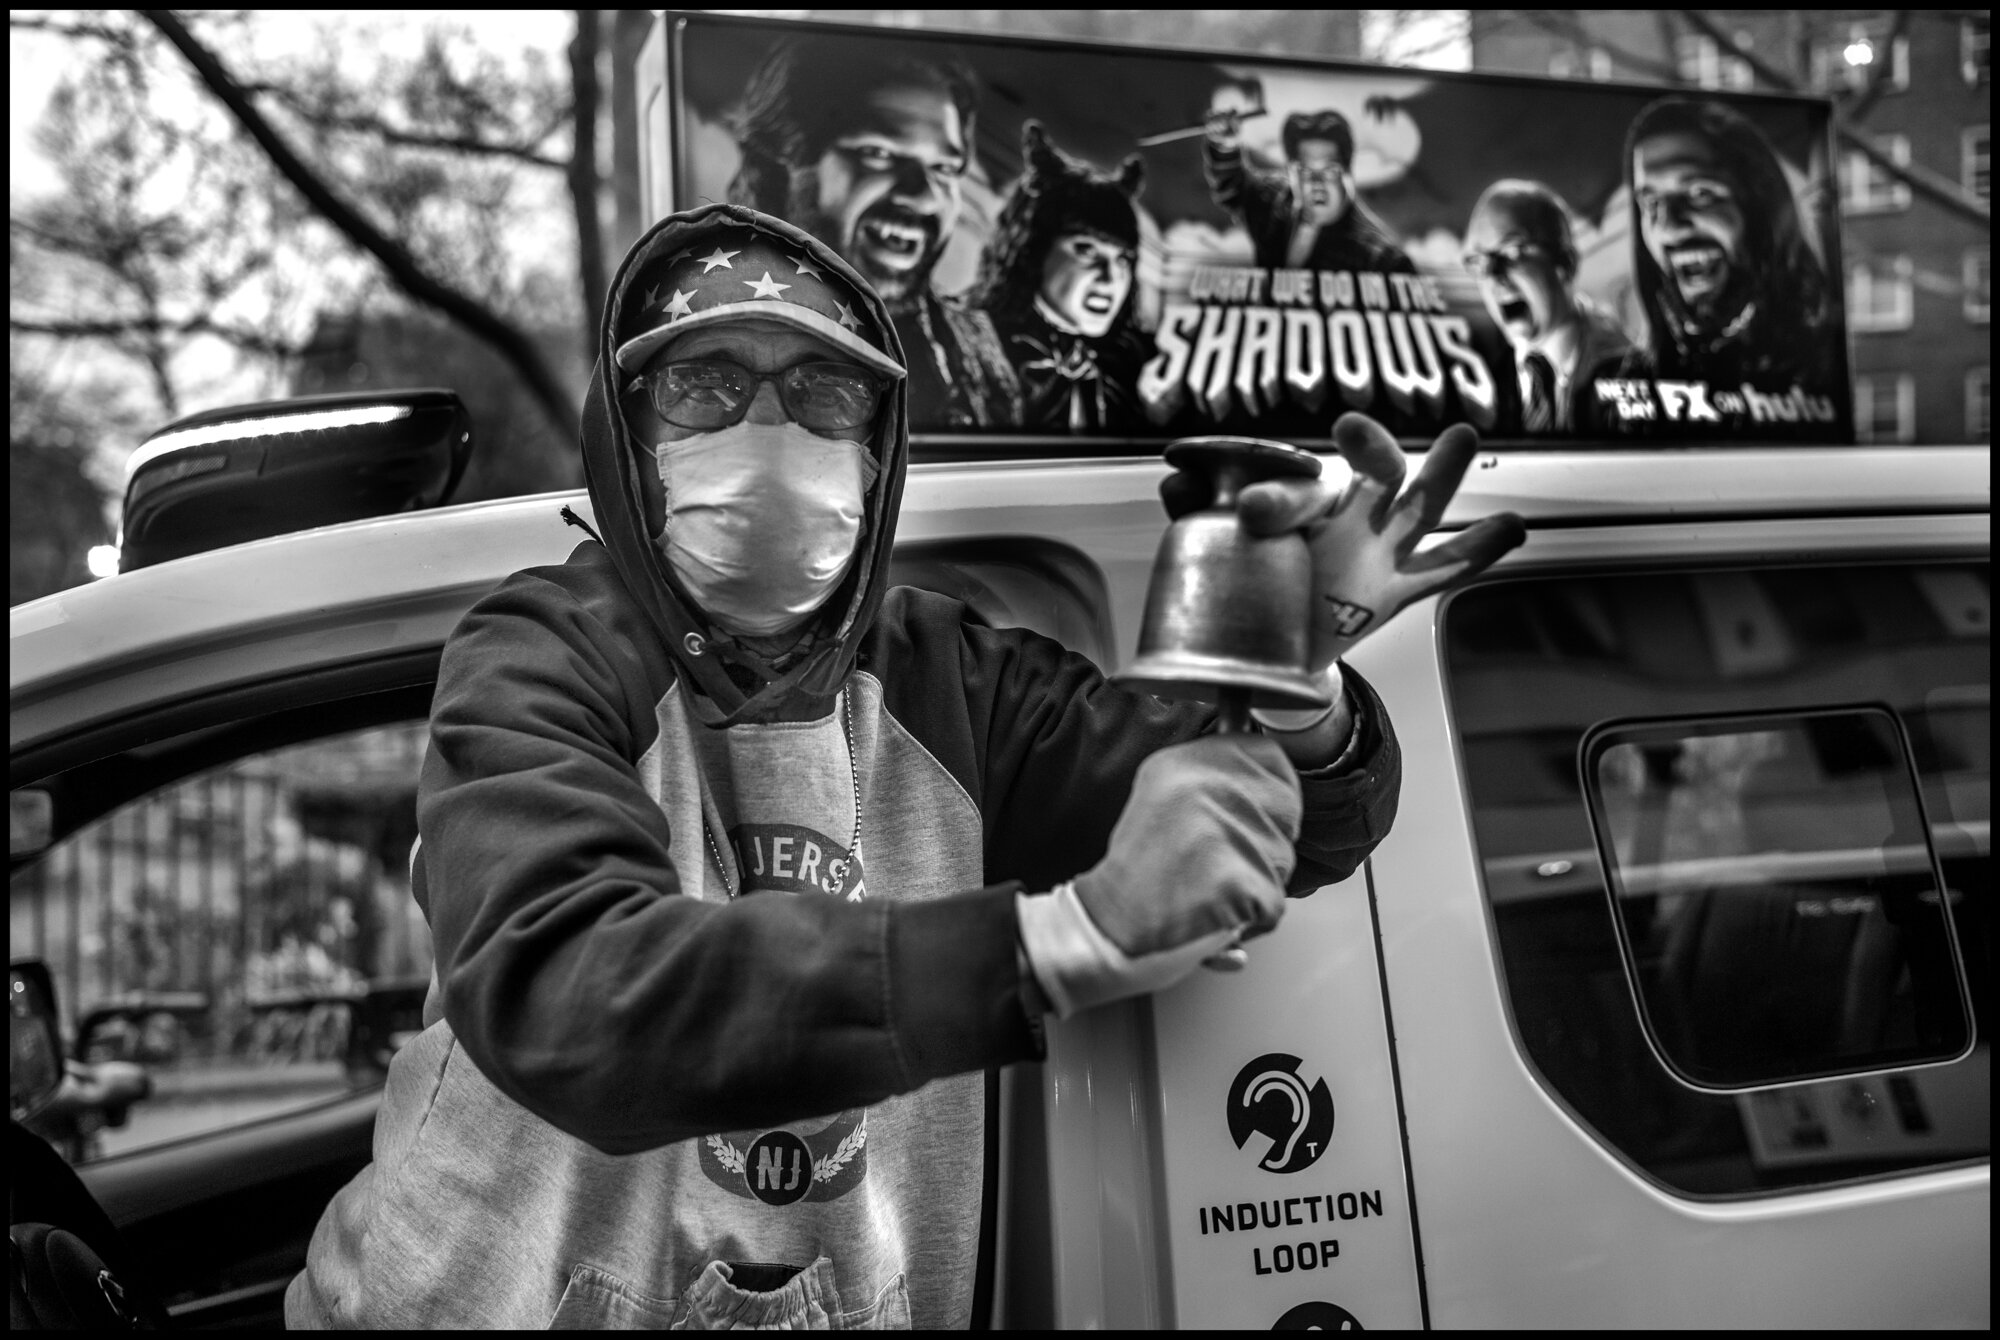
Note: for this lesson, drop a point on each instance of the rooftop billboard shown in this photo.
(1093, 249)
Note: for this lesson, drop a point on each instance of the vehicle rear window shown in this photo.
(1540, 668)
(1774, 892)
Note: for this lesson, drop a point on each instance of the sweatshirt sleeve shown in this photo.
(582, 979)
(1062, 742)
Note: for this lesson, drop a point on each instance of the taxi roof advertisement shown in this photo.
(1091, 250)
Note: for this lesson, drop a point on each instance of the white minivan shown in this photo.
(1662, 1004)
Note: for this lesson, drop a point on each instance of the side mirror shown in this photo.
(228, 476)
(30, 822)
(34, 1056)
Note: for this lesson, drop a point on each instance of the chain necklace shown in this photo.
(853, 772)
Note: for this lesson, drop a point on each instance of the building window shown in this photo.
(1979, 405)
(1866, 187)
(1974, 34)
(1885, 407)
(1979, 285)
(1976, 161)
(1880, 293)
(1702, 61)
(1834, 66)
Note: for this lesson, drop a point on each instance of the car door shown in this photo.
(222, 753)
(1570, 1167)
(227, 909)
(1429, 1099)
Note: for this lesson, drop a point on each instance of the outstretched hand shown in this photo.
(1225, 129)
(1364, 536)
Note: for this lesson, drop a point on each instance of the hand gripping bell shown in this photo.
(1227, 612)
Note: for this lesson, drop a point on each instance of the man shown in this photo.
(1309, 216)
(867, 151)
(741, 867)
(1733, 292)
(1520, 247)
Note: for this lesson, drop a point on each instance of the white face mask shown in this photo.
(762, 520)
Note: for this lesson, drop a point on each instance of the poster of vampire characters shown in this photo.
(1091, 250)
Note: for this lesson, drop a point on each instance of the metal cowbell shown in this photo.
(1228, 613)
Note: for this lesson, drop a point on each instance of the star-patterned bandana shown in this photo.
(736, 273)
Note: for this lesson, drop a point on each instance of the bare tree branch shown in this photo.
(113, 249)
(409, 275)
(414, 139)
(1932, 185)
(1395, 26)
(102, 32)
(42, 235)
(154, 327)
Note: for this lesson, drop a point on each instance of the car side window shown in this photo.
(1775, 895)
(1536, 665)
(234, 944)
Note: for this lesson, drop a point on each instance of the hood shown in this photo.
(742, 683)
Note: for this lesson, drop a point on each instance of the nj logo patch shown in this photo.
(785, 1166)
(795, 859)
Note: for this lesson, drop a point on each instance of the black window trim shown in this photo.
(257, 699)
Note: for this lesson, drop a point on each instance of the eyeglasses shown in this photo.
(1500, 260)
(711, 393)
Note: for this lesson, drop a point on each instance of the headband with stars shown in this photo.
(738, 274)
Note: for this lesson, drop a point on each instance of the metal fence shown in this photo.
(229, 914)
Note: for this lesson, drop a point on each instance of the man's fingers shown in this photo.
(1270, 507)
(1477, 547)
(1184, 491)
(1274, 506)
(1370, 449)
(1438, 478)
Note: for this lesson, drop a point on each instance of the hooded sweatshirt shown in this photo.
(722, 949)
